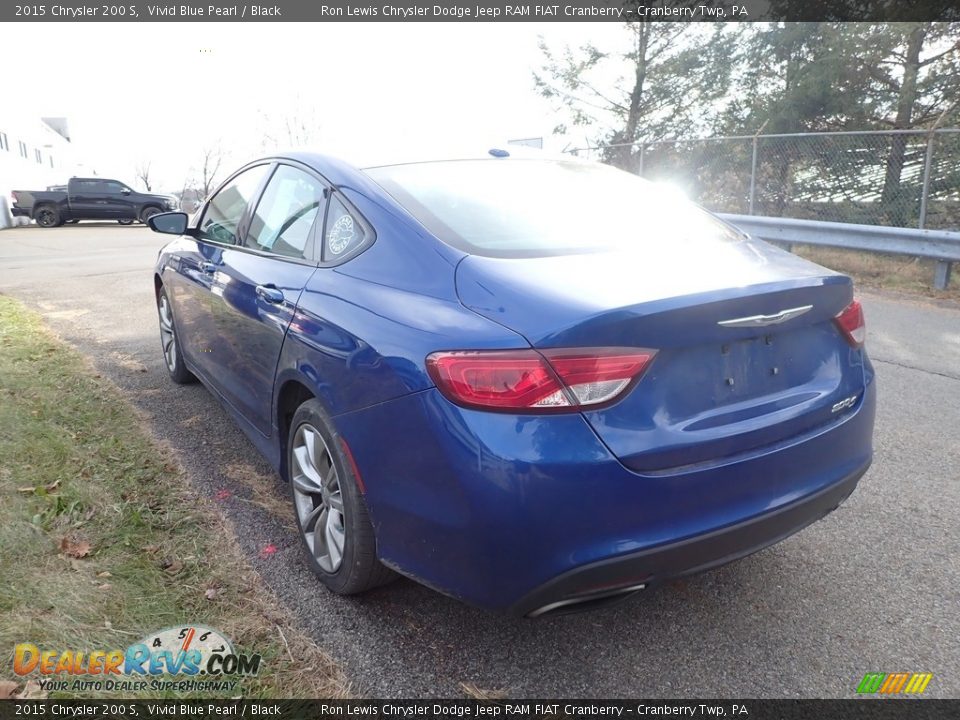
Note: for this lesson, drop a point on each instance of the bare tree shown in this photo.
(209, 169)
(294, 129)
(143, 174)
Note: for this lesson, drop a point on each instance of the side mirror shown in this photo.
(171, 223)
(124, 192)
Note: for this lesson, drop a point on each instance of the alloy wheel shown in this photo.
(317, 496)
(168, 338)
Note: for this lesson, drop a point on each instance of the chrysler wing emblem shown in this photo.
(764, 320)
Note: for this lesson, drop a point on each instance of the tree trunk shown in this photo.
(623, 157)
(894, 207)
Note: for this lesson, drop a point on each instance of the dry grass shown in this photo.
(899, 273)
(474, 692)
(80, 477)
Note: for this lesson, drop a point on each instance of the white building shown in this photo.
(34, 154)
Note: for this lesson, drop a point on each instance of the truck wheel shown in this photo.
(47, 216)
(148, 212)
(125, 221)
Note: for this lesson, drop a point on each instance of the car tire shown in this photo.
(148, 212)
(170, 343)
(47, 216)
(344, 556)
(126, 221)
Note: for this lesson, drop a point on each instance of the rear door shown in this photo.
(87, 199)
(258, 286)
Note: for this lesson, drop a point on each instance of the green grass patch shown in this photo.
(102, 540)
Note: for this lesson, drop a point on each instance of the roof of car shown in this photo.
(405, 155)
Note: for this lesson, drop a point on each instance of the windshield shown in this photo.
(524, 208)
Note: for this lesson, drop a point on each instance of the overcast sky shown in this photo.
(163, 91)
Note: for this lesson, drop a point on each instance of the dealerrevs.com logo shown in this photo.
(201, 658)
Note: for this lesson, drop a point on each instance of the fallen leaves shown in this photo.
(75, 548)
(30, 691)
(211, 593)
(172, 566)
(223, 494)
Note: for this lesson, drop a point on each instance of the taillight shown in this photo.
(530, 381)
(851, 324)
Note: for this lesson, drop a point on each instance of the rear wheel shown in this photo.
(335, 528)
(147, 213)
(47, 216)
(126, 221)
(169, 342)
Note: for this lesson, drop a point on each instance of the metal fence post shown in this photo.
(941, 275)
(753, 175)
(924, 192)
(643, 149)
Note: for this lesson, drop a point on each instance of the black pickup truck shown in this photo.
(89, 199)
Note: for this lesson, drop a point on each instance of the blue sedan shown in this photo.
(533, 384)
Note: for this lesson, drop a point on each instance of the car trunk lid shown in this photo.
(748, 354)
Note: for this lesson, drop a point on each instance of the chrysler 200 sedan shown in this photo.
(533, 384)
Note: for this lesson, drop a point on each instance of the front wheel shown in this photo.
(169, 342)
(335, 528)
(47, 216)
(147, 213)
(125, 221)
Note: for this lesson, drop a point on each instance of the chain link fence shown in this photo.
(901, 178)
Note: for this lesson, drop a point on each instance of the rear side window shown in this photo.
(343, 233)
(283, 222)
(225, 210)
(85, 186)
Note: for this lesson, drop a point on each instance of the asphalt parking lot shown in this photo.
(875, 587)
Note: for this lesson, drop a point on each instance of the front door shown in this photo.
(120, 201)
(262, 278)
(199, 283)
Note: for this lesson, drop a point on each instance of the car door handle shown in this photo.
(208, 267)
(270, 293)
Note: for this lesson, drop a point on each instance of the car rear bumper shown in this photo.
(20, 212)
(594, 584)
(514, 513)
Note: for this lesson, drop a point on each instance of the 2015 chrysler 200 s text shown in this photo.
(533, 384)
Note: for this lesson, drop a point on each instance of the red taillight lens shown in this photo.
(529, 381)
(852, 324)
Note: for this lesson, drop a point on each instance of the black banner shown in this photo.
(855, 709)
(480, 11)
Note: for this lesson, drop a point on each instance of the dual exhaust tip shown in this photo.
(591, 601)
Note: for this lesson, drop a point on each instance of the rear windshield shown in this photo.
(524, 208)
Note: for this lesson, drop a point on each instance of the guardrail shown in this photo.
(940, 245)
